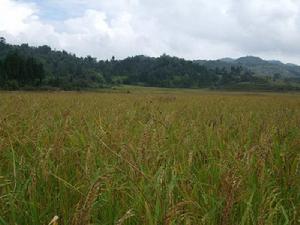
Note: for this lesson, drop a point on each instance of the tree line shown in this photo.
(25, 66)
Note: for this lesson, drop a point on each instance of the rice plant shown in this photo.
(147, 157)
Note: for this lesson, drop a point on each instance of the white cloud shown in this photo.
(190, 28)
(14, 16)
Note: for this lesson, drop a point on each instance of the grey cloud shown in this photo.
(189, 28)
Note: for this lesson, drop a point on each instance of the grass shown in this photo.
(147, 157)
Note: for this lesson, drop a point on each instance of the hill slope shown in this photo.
(259, 66)
(23, 66)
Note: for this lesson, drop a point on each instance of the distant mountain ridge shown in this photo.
(31, 68)
(258, 65)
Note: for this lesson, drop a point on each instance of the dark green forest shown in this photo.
(26, 67)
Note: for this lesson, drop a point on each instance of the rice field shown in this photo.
(147, 157)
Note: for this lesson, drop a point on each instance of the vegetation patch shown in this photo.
(181, 157)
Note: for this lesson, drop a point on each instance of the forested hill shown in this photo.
(259, 66)
(25, 67)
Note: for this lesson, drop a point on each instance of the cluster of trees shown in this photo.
(22, 65)
(166, 71)
(58, 69)
(17, 71)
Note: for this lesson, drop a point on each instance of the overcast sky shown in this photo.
(193, 29)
